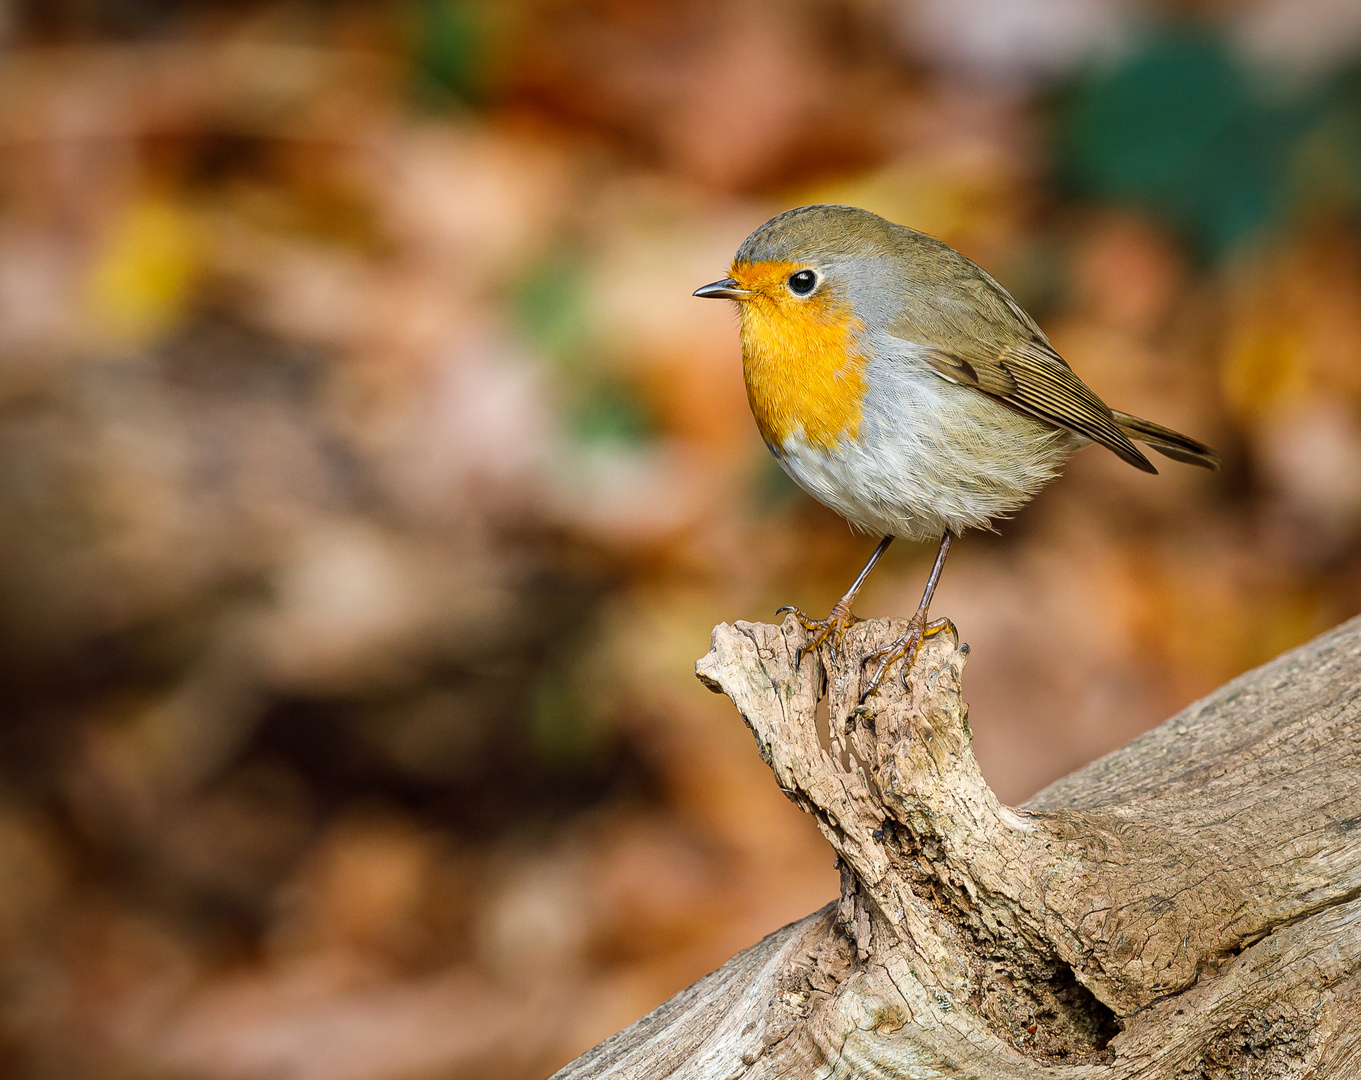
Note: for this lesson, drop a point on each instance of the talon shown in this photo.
(941, 626)
(909, 655)
(878, 675)
(834, 627)
(873, 684)
(839, 619)
(905, 649)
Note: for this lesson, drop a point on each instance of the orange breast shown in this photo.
(803, 370)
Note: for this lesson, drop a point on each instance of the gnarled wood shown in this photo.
(1187, 907)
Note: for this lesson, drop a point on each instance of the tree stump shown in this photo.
(1187, 907)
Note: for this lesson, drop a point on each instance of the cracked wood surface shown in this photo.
(1186, 907)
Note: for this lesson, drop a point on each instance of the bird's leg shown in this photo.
(839, 619)
(918, 629)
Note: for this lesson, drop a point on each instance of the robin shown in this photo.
(903, 387)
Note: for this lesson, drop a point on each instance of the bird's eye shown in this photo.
(803, 282)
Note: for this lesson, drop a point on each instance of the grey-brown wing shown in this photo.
(1034, 380)
(970, 330)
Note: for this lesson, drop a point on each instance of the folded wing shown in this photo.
(1033, 379)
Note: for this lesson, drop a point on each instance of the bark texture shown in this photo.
(1189, 907)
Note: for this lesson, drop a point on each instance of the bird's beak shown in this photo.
(727, 289)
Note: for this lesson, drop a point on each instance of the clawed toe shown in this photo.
(839, 620)
(905, 649)
(834, 627)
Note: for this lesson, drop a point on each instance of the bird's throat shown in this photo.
(805, 375)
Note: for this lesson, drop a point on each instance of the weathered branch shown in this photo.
(1186, 907)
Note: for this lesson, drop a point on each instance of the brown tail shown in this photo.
(1167, 442)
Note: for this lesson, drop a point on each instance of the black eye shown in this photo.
(803, 282)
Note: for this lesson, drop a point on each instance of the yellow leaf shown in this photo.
(145, 271)
(1265, 369)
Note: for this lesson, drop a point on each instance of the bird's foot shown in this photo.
(906, 649)
(838, 621)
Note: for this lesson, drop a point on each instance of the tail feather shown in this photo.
(1167, 442)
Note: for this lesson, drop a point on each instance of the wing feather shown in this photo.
(971, 332)
(1035, 381)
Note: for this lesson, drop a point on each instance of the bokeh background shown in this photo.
(369, 480)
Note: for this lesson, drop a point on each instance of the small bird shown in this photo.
(896, 382)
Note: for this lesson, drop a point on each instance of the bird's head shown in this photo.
(812, 267)
(807, 284)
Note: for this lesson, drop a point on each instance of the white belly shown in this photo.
(929, 456)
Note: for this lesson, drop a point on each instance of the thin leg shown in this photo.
(918, 628)
(934, 579)
(875, 556)
(840, 619)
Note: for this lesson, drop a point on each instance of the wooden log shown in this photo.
(1187, 907)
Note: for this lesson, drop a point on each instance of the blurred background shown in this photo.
(370, 481)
